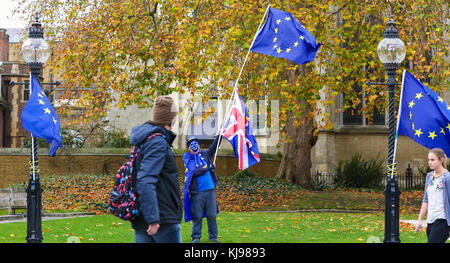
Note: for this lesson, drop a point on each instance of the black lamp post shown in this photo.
(35, 52)
(391, 51)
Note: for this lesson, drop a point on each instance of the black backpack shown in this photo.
(123, 202)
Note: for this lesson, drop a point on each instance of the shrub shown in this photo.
(245, 181)
(70, 139)
(41, 143)
(359, 173)
(114, 139)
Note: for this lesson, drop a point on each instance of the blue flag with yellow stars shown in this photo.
(423, 115)
(39, 117)
(282, 36)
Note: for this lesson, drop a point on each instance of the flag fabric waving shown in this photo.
(283, 36)
(423, 115)
(39, 117)
(239, 132)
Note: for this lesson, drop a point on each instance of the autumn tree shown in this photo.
(142, 48)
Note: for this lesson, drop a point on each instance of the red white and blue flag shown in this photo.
(239, 132)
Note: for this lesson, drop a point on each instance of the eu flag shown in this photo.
(282, 36)
(423, 115)
(39, 117)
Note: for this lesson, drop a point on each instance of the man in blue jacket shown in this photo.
(199, 189)
(157, 178)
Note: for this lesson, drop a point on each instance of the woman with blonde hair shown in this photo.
(436, 202)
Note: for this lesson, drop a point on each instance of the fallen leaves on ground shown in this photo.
(234, 194)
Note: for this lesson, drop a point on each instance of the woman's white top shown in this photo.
(435, 199)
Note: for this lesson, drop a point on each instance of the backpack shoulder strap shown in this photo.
(154, 135)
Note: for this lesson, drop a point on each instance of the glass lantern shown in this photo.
(35, 50)
(391, 50)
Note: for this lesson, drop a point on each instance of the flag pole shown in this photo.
(237, 81)
(398, 117)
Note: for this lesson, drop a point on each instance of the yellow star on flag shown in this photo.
(287, 18)
(419, 95)
(46, 110)
(54, 121)
(440, 99)
(279, 50)
(442, 131)
(432, 135)
(275, 39)
(287, 50)
(278, 21)
(276, 30)
(448, 127)
(41, 101)
(296, 44)
(418, 132)
(411, 103)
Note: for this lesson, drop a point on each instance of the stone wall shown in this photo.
(334, 146)
(14, 163)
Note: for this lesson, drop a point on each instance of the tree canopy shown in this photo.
(142, 48)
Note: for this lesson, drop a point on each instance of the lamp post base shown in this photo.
(392, 215)
(34, 208)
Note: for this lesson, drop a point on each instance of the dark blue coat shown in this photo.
(157, 185)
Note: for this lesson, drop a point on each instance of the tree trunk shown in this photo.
(296, 163)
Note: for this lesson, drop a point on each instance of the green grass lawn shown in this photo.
(242, 199)
(234, 227)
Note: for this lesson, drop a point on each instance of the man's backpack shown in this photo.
(124, 202)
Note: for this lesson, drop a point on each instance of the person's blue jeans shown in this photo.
(167, 233)
(204, 203)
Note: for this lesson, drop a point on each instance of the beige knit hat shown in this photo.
(164, 110)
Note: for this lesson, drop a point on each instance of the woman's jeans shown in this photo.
(204, 204)
(437, 232)
(167, 233)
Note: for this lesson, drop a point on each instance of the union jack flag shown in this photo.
(239, 132)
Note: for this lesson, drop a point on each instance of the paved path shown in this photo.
(20, 218)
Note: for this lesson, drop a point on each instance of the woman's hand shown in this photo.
(419, 225)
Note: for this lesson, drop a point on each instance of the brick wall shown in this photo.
(4, 45)
(14, 167)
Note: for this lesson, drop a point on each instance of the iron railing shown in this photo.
(407, 180)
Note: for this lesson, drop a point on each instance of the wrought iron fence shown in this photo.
(407, 180)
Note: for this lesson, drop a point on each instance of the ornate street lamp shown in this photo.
(35, 52)
(391, 51)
